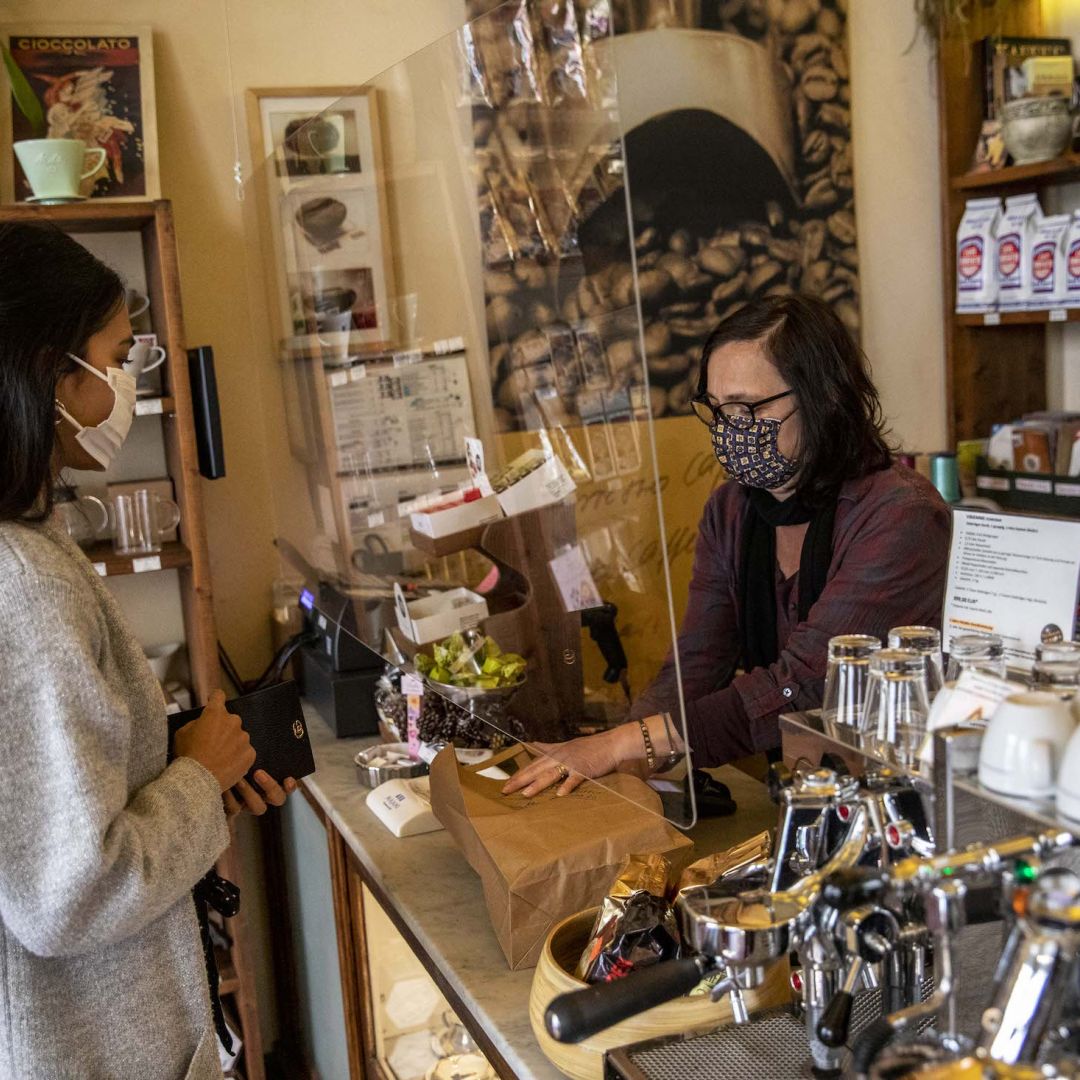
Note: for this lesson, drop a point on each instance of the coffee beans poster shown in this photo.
(703, 145)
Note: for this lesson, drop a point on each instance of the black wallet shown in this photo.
(275, 724)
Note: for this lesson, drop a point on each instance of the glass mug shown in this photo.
(140, 521)
(847, 679)
(976, 652)
(927, 641)
(897, 706)
(84, 518)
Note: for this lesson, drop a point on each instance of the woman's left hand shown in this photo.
(244, 796)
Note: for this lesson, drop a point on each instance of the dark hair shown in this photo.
(54, 296)
(843, 426)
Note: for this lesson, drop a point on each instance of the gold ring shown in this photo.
(563, 772)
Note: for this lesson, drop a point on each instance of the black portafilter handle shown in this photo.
(835, 1021)
(853, 886)
(578, 1014)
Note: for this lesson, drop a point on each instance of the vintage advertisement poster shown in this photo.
(95, 85)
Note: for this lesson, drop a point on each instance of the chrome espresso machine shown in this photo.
(933, 929)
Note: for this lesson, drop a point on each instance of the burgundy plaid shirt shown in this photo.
(890, 554)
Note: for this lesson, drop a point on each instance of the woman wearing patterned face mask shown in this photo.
(817, 533)
(103, 971)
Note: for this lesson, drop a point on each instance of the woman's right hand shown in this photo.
(570, 764)
(217, 742)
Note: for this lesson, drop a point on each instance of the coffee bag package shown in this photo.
(1072, 262)
(1015, 234)
(976, 281)
(1048, 262)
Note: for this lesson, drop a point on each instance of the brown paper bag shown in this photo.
(543, 859)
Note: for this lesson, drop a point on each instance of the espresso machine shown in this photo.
(880, 898)
(829, 823)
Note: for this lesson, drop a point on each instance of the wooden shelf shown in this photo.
(94, 215)
(1057, 171)
(155, 406)
(172, 556)
(1019, 318)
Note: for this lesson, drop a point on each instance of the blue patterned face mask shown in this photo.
(749, 452)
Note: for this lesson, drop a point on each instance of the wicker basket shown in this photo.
(684, 1016)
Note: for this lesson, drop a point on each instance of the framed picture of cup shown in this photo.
(320, 186)
(96, 85)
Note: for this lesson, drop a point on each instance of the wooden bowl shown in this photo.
(684, 1016)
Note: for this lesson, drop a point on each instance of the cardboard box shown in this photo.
(543, 859)
(550, 483)
(457, 518)
(439, 615)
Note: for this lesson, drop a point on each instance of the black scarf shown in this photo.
(757, 592)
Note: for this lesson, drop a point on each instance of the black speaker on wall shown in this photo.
(207, 414)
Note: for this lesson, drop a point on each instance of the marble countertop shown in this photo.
(437, 894)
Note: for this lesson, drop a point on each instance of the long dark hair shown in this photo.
(54, 296)
(842, 422)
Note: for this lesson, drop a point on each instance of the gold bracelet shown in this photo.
(650, 753)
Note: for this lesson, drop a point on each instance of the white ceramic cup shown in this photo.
(1024, 745)
(143, 357)
(55, 167)
(1068, 791)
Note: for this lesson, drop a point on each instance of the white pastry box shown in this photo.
(458, 518)
(550, 483)
(439, 615)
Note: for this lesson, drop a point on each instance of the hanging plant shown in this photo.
(938, 18)
(23, 93)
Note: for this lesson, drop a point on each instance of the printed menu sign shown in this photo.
(1015, 576)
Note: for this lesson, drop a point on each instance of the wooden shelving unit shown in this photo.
(189, 555)
(1020, 318)
(994, 372)
(1059, 171)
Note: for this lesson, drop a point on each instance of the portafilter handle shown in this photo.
(578, 1014)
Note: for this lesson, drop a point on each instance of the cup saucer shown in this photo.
(55, 200)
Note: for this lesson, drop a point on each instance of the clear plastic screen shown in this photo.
(471, 424)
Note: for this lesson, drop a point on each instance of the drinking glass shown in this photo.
(846, 678)
(927, 641)
(140, 521)
(897, 705)
(1057, 669)
(976, 652)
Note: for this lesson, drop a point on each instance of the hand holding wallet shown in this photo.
(274, 721)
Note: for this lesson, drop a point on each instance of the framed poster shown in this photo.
(95, 83)
(317, 157)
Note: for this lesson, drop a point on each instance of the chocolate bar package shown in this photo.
(636, 926)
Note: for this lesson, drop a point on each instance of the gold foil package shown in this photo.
(635, 926)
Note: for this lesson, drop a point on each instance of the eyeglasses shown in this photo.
(709, 413)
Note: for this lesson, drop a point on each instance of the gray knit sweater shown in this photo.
(101, 968)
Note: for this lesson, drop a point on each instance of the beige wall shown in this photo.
(897, 178)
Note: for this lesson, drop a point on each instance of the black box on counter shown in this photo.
(344, 699)
(1040, 493)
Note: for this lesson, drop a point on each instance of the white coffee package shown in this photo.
(1048, 262)
(1015, 234)
(976, 281)
(1072, 262)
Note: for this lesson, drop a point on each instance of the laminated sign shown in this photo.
(545, 858)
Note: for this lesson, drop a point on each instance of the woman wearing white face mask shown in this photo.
(102, 972)
(816, 534)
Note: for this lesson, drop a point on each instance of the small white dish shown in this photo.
(55, 200)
